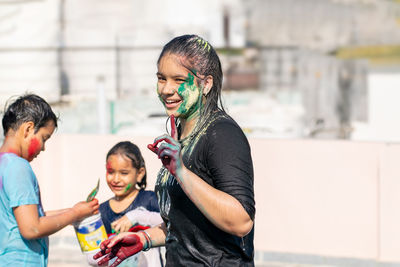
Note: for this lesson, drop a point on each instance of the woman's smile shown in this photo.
(172, 103)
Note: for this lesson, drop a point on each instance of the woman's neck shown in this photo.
(188, 126)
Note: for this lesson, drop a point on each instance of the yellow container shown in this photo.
(90, 233)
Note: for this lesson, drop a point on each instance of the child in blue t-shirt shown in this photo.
(132, 208)
(28, 123)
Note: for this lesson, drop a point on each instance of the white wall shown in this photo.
(30, 25)
(383, 109)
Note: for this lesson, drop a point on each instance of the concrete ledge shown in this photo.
(264, 258)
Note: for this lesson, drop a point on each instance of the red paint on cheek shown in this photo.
(34, 147)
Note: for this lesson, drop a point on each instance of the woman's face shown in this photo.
(177, 88)
(121, 175)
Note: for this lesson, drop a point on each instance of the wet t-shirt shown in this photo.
(218, 153)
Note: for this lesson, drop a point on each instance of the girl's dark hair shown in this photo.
(132, 152)
(29, 107)
(202, 60)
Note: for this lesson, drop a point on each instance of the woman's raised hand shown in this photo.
(169, 149)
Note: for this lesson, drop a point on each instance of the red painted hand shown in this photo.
(170, 150)
(121, 246)
(174, 132)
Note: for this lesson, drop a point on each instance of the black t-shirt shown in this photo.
(145, 199)
(219, 154)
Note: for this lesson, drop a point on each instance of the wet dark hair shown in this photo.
(132, 152)
(28, 107)
(201, 59)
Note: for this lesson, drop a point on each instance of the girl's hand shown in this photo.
(121, 246)
(84, 209)
(122, 224)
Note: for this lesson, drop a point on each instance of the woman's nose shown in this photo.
(168, 88)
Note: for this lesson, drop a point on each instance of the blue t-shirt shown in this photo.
(18, 186)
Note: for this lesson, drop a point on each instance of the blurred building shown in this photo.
(323, 25)
(64, 47)
(312, 57)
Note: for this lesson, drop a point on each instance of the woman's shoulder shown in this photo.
(222, 122)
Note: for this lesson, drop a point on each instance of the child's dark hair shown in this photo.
(202, 60)
(132, 152)
(29, 107)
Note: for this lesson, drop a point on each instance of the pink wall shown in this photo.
(316, 197)
(328, 198)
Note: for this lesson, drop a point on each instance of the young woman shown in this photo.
(205, 187)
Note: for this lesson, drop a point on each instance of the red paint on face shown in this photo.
(108, 167)
(34, 147)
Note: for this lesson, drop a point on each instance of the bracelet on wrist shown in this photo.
(149, 243)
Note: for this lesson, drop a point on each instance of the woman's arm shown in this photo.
(31, 226)
(157, 236)
(127, 244)
(223, 210)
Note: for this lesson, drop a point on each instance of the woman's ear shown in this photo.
(208, 84)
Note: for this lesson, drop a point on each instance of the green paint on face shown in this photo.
(128, 187)
(159, 97)
(191, 98)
